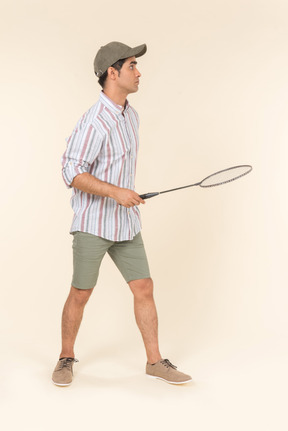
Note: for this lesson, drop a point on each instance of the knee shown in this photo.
(80, 296)
(142, 289)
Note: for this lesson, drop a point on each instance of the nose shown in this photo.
(138, 73)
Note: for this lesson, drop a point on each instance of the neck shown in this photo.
(118, 97)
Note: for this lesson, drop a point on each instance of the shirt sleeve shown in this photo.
(83, 147)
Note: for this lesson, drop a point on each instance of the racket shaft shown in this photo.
(179, 188)
(151, 195)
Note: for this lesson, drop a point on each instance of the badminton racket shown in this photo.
(216, 179)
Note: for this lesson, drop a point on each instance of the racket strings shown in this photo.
(225, 176)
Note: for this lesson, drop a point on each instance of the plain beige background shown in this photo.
(213, 94)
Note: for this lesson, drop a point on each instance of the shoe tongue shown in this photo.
(167, 362)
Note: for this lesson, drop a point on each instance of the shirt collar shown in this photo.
(117, 109)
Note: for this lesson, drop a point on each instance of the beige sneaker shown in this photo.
(63, 373)
(166, 371)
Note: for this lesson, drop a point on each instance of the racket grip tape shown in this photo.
(149, 195)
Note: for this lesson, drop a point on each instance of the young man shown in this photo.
(99, 164)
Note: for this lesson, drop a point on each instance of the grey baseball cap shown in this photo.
(112, 52)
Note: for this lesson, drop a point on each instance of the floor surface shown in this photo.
(235, 388)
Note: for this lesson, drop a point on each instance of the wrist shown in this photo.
(112, 191)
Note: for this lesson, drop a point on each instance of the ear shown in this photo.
(112, 73)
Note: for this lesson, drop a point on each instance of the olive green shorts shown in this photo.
(89, 250)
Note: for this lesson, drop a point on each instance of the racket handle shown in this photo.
(149, 195)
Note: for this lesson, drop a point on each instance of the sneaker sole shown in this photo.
(61, 384)
(167, 381)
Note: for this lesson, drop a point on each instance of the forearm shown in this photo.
(90, 184)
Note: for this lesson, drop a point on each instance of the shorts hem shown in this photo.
(82, 288)
(136, 278)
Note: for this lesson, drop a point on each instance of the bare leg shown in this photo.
(71, 319)
(146, 316)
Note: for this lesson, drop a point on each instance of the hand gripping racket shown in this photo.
(216, 179)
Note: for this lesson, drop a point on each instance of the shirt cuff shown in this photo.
(70, 171)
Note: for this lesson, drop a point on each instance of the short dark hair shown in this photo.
(118, 66)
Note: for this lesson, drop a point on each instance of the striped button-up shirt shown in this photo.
(105, 144)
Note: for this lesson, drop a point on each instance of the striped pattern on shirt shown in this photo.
(104, 143)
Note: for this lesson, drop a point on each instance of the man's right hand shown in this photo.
(126, 197)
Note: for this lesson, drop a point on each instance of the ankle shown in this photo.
(153, 359)
(66, 355)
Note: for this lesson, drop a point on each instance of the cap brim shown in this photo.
(138, 51)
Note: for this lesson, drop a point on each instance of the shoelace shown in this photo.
(67, 362)
(168, 364)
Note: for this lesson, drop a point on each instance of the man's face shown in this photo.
(128, 79)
